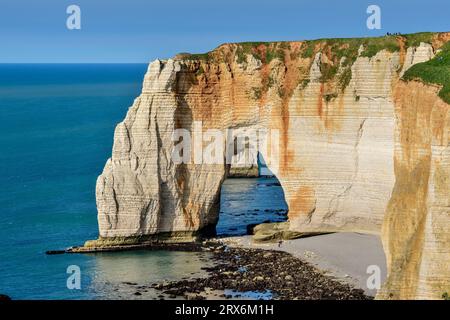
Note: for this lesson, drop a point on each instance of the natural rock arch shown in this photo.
(365, 159)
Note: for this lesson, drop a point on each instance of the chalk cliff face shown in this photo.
(416, 229)
(355, 147)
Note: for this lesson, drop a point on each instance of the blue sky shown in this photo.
(142, 30)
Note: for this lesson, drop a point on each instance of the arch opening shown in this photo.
(246, 201)
(355, 258)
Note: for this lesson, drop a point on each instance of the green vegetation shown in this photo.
(374, 45)
(328, 71)
(348, 49)
(245, 48)
(274, 50)
(304, 83)
(445, 296)
(285, 45)
(345, 50)
(241, 54)
(435, 71)
(270, 82)
(330, 96)
(256, 93)
(199, 56)
(200, 71)
(341, 54)
(281, 92)
(414, 40)
(345, 77)
(274, 53)
(307, 49)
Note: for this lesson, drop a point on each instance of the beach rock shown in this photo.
(308, 284)
(251, 171)
(250, 228)
(54, 252)
(272, 232)
(355, 148)
(4, 297)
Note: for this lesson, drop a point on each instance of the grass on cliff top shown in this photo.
(414, 39)
(274, 50)
(197, 56)
(434, 71)
(347, 47)
(374, 45)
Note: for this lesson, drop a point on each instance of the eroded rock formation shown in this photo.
(358, 149)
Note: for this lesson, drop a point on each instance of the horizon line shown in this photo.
(75, 62)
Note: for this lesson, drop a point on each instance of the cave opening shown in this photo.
(246, 201)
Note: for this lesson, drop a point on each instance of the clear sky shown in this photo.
(142, 30)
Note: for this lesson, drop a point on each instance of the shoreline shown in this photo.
(253, 273)
(344, 256)
(328, 266)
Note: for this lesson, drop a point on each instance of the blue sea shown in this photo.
(57, 125)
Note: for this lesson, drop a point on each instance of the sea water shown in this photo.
(56, 133)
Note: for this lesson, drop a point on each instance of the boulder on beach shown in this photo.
(4, 297)
(276, 231)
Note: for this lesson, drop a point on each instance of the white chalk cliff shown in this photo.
(357, 149)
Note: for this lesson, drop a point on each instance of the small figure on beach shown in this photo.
(280, 243)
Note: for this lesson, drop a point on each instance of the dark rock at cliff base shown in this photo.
(250, 228)
(4, 297)
(51, 252)
(278, 273)
(272, 232)
(270, 184)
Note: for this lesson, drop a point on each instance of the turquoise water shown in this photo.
(57, 125)
(247, 201)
